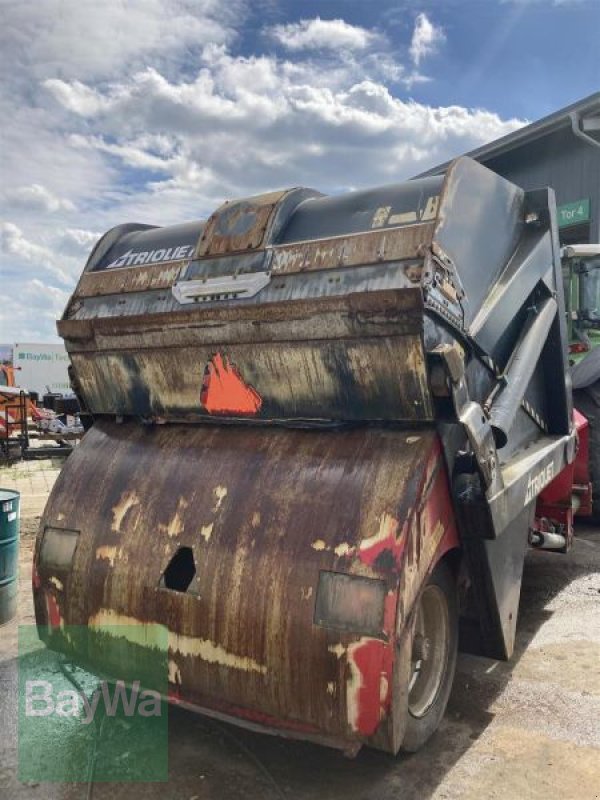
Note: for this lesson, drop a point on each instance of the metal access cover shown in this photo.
(239, 225)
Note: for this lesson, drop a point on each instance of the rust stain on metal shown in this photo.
(354, 357)
(347, 379)
(306, 319)
(239, 225)
(234, 645)
(356, 250)
(124, 281)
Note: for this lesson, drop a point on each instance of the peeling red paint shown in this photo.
(35, 578)
(439, 511)
(369, 686)
(204, 704)
(265, 719)
(224, 391)
(54, 618)
(385, 546)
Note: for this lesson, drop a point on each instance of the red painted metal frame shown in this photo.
(555, 509)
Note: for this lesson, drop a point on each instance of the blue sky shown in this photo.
(523, 58)
(158, 110)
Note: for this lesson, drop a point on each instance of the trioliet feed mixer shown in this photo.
(325, 429)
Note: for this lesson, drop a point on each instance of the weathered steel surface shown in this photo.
(375, 378)
(363, 211)
(124, 280)
(299, 286)
(239, 225)
(264, 512)
(395, 244)
(394, 312)
(373, 313)
(350, 358)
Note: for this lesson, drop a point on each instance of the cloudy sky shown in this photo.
(158, 110)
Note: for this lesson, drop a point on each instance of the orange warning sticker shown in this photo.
(224, 391)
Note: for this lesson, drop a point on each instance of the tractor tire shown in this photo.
(587, 401)
(433, 657)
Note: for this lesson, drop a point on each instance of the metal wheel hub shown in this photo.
(430, 647)
(421, 648)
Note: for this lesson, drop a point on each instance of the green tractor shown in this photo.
(581, 273)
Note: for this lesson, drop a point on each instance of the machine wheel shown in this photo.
(586, 401)
(433, 657)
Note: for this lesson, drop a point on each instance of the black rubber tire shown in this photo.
(586, 401)
(419, 729)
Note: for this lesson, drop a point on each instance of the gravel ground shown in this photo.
(524, 730)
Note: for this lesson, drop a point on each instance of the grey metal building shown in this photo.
(561, 151)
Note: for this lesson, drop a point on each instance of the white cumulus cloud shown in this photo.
(39, 197)
(149, 112)
(14, 243)
(79, 242)
(82, 39)
(425, 39)
(322, 34)
(243, 125)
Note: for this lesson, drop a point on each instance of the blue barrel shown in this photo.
(9, 553)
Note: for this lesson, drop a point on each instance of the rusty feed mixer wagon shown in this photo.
(325, 430)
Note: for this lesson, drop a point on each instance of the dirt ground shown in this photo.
(524, 730)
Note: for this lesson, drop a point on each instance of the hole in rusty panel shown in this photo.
(180, 572)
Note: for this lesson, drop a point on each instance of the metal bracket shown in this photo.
(448, 379)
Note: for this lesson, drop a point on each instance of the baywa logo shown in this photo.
(39, 357)
(41, 700)
(77, 726)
